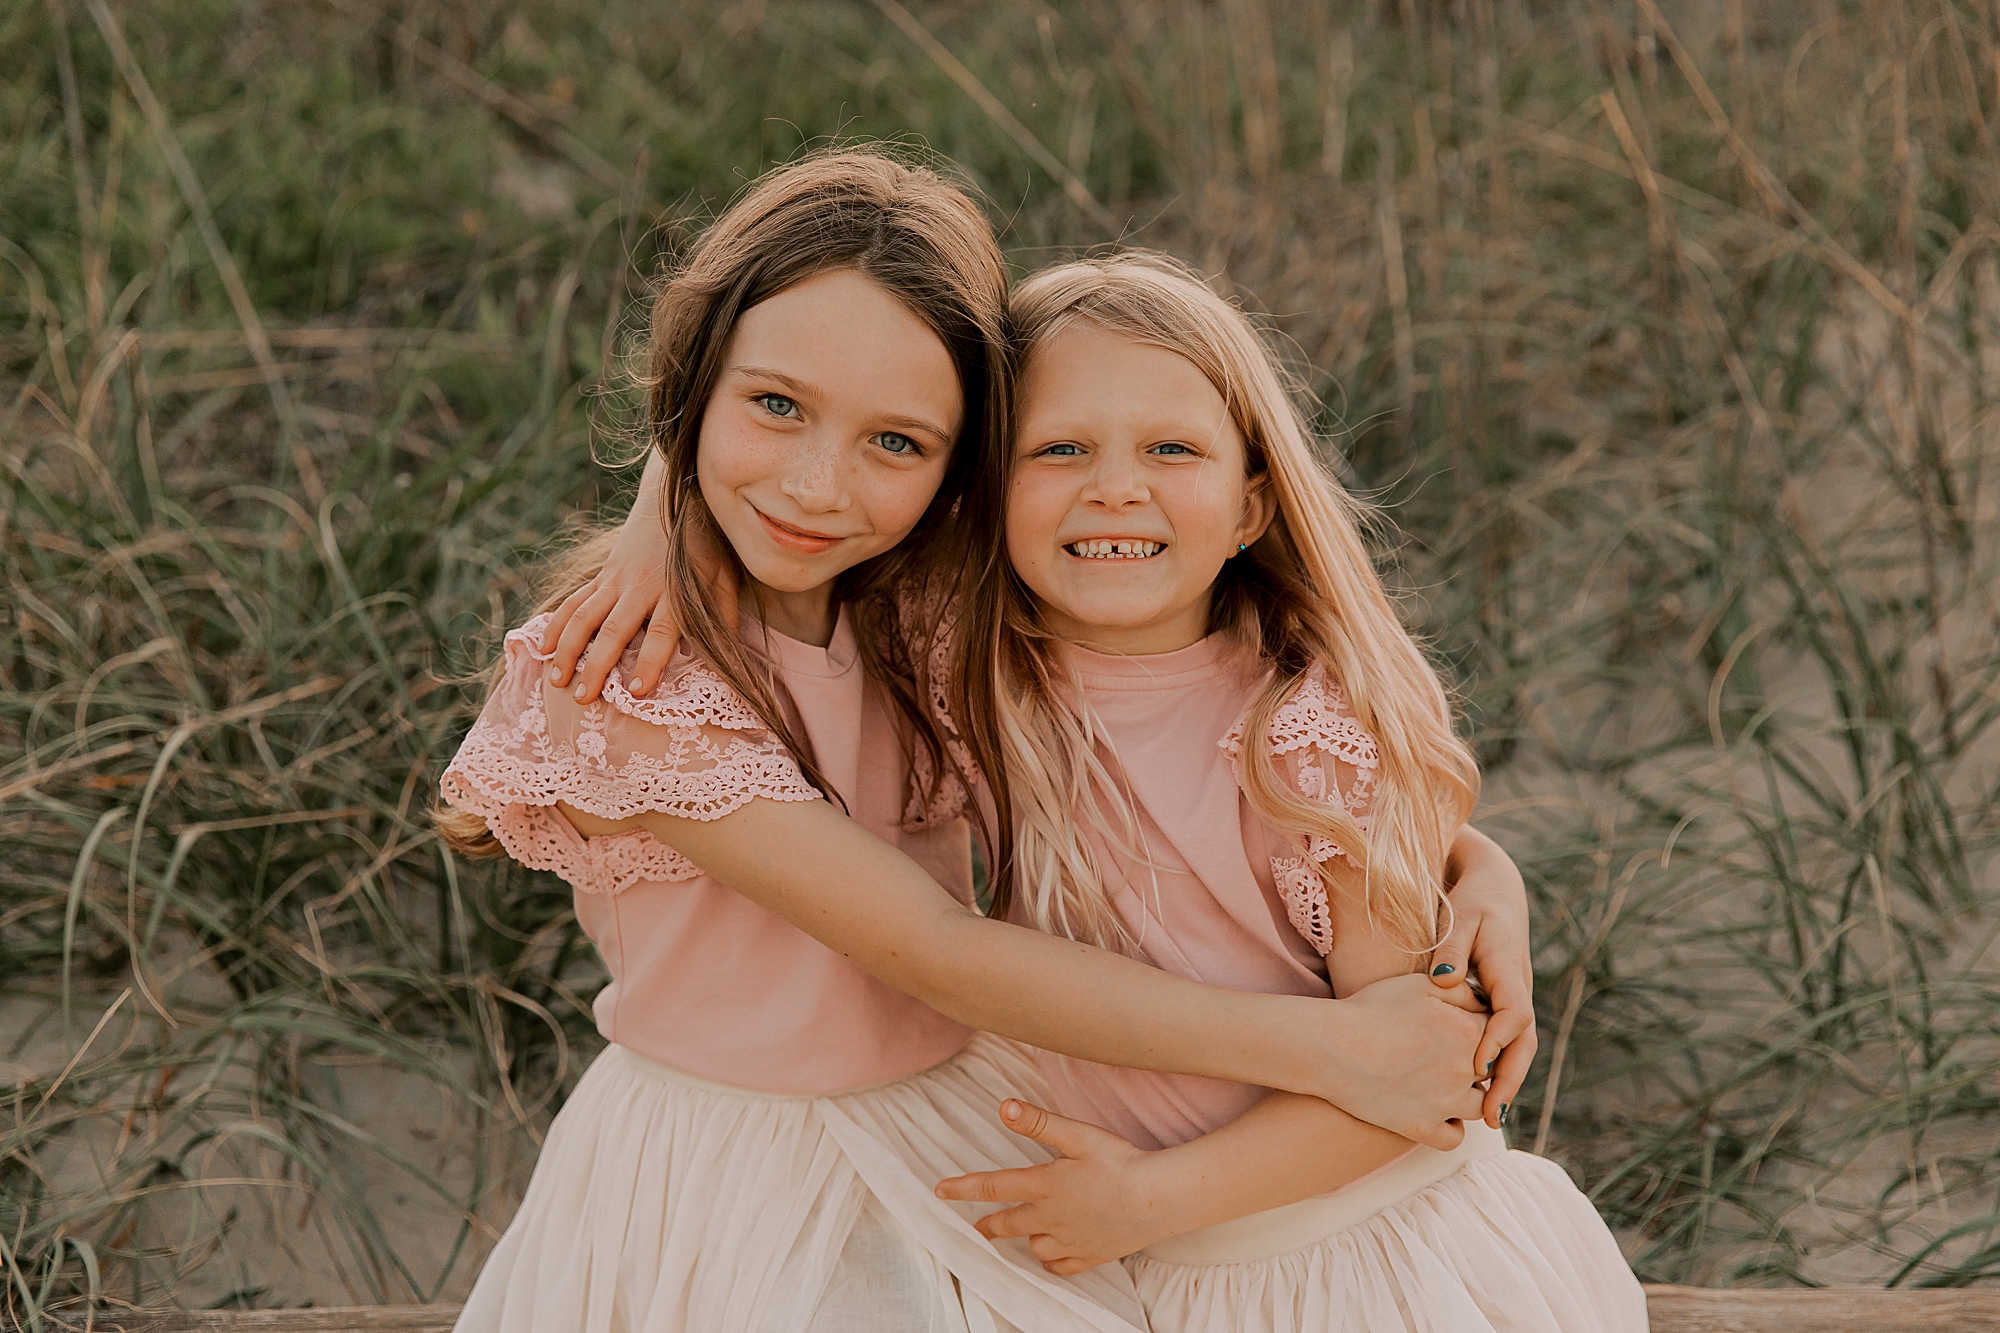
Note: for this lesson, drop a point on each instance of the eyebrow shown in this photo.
(801, 388)
(797, 386)
(919, 424)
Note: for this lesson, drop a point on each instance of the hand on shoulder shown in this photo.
(592, 626)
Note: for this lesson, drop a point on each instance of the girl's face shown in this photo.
(825, 439)
(1129, 491)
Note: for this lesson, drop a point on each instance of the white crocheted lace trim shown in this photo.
(707, 754)
(1305, 901)
(540, 838)
(1310, 729)
(1317, 714)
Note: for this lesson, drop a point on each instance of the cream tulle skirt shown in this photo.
(1479, 1240)
(663, 1204)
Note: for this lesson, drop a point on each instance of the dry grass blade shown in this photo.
(997, 111)
(197, 200)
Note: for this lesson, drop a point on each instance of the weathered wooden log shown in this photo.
(333, 1319)
(1828, 1310)
(1674, 1310)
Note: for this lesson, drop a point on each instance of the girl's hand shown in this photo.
(630, 591)
(1091, 1206)
(1406, 1051)
(1489, 935)
(604, 614)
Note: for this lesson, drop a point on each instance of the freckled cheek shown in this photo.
(732, 456)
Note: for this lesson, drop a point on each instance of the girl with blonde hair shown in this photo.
(1217, 750)
(771, 850)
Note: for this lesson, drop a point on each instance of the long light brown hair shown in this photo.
(1306, 595)
(927, 243)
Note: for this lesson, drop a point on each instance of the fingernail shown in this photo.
(1489, 1068)
(555, 674)
(579, 694)
(1503, 1115)
(1012, 1110)
(1443, 970)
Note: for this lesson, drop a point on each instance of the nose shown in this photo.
(1116, 482)
(816, 481)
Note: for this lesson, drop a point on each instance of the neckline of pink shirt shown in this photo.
(1202, 660)
(790, 656)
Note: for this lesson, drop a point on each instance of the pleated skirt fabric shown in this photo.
(1478, 1240)
(665, 1204)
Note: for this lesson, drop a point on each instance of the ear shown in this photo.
(1260, 507)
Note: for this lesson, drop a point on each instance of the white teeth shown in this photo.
(1106, 549)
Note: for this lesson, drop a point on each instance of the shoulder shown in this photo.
(690, 693)
(694, 748)
(1314, 716)
(1318, 748)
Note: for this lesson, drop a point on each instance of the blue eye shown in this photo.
(1171, 446)
(778, 405)
(1064, 450)
(900, 445)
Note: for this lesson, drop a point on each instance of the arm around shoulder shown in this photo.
(691, 774)
(811, 865)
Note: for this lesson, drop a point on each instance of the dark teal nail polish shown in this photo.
(1443, 970)
(1503, 1115)
(1489, 1069)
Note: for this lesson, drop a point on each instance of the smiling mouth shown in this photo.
(797, 539)
(1103, 548)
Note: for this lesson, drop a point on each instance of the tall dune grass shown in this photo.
(1666, 333)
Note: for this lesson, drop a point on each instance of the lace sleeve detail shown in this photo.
(1322, 749)
(694, 750)
(540, 838)
(929, 623)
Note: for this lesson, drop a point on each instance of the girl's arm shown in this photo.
(1398, 1055)
(1489, 933)
(1103, 1199)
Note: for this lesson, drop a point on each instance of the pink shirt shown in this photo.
(1226, 899)
(702, 979)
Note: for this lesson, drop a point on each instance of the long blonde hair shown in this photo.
(926, 242)
(1304, 596)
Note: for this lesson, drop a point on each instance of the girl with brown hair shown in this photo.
(771, 849)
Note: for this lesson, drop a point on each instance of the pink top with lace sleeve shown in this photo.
(1221, 896)
(702, 979)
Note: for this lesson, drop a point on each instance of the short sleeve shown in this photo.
(1325, 753)
(693, 749)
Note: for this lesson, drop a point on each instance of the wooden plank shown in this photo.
(1673, 1310)
(333, 1319)
(1828, 1310)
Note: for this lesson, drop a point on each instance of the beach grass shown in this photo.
(1663, 331)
